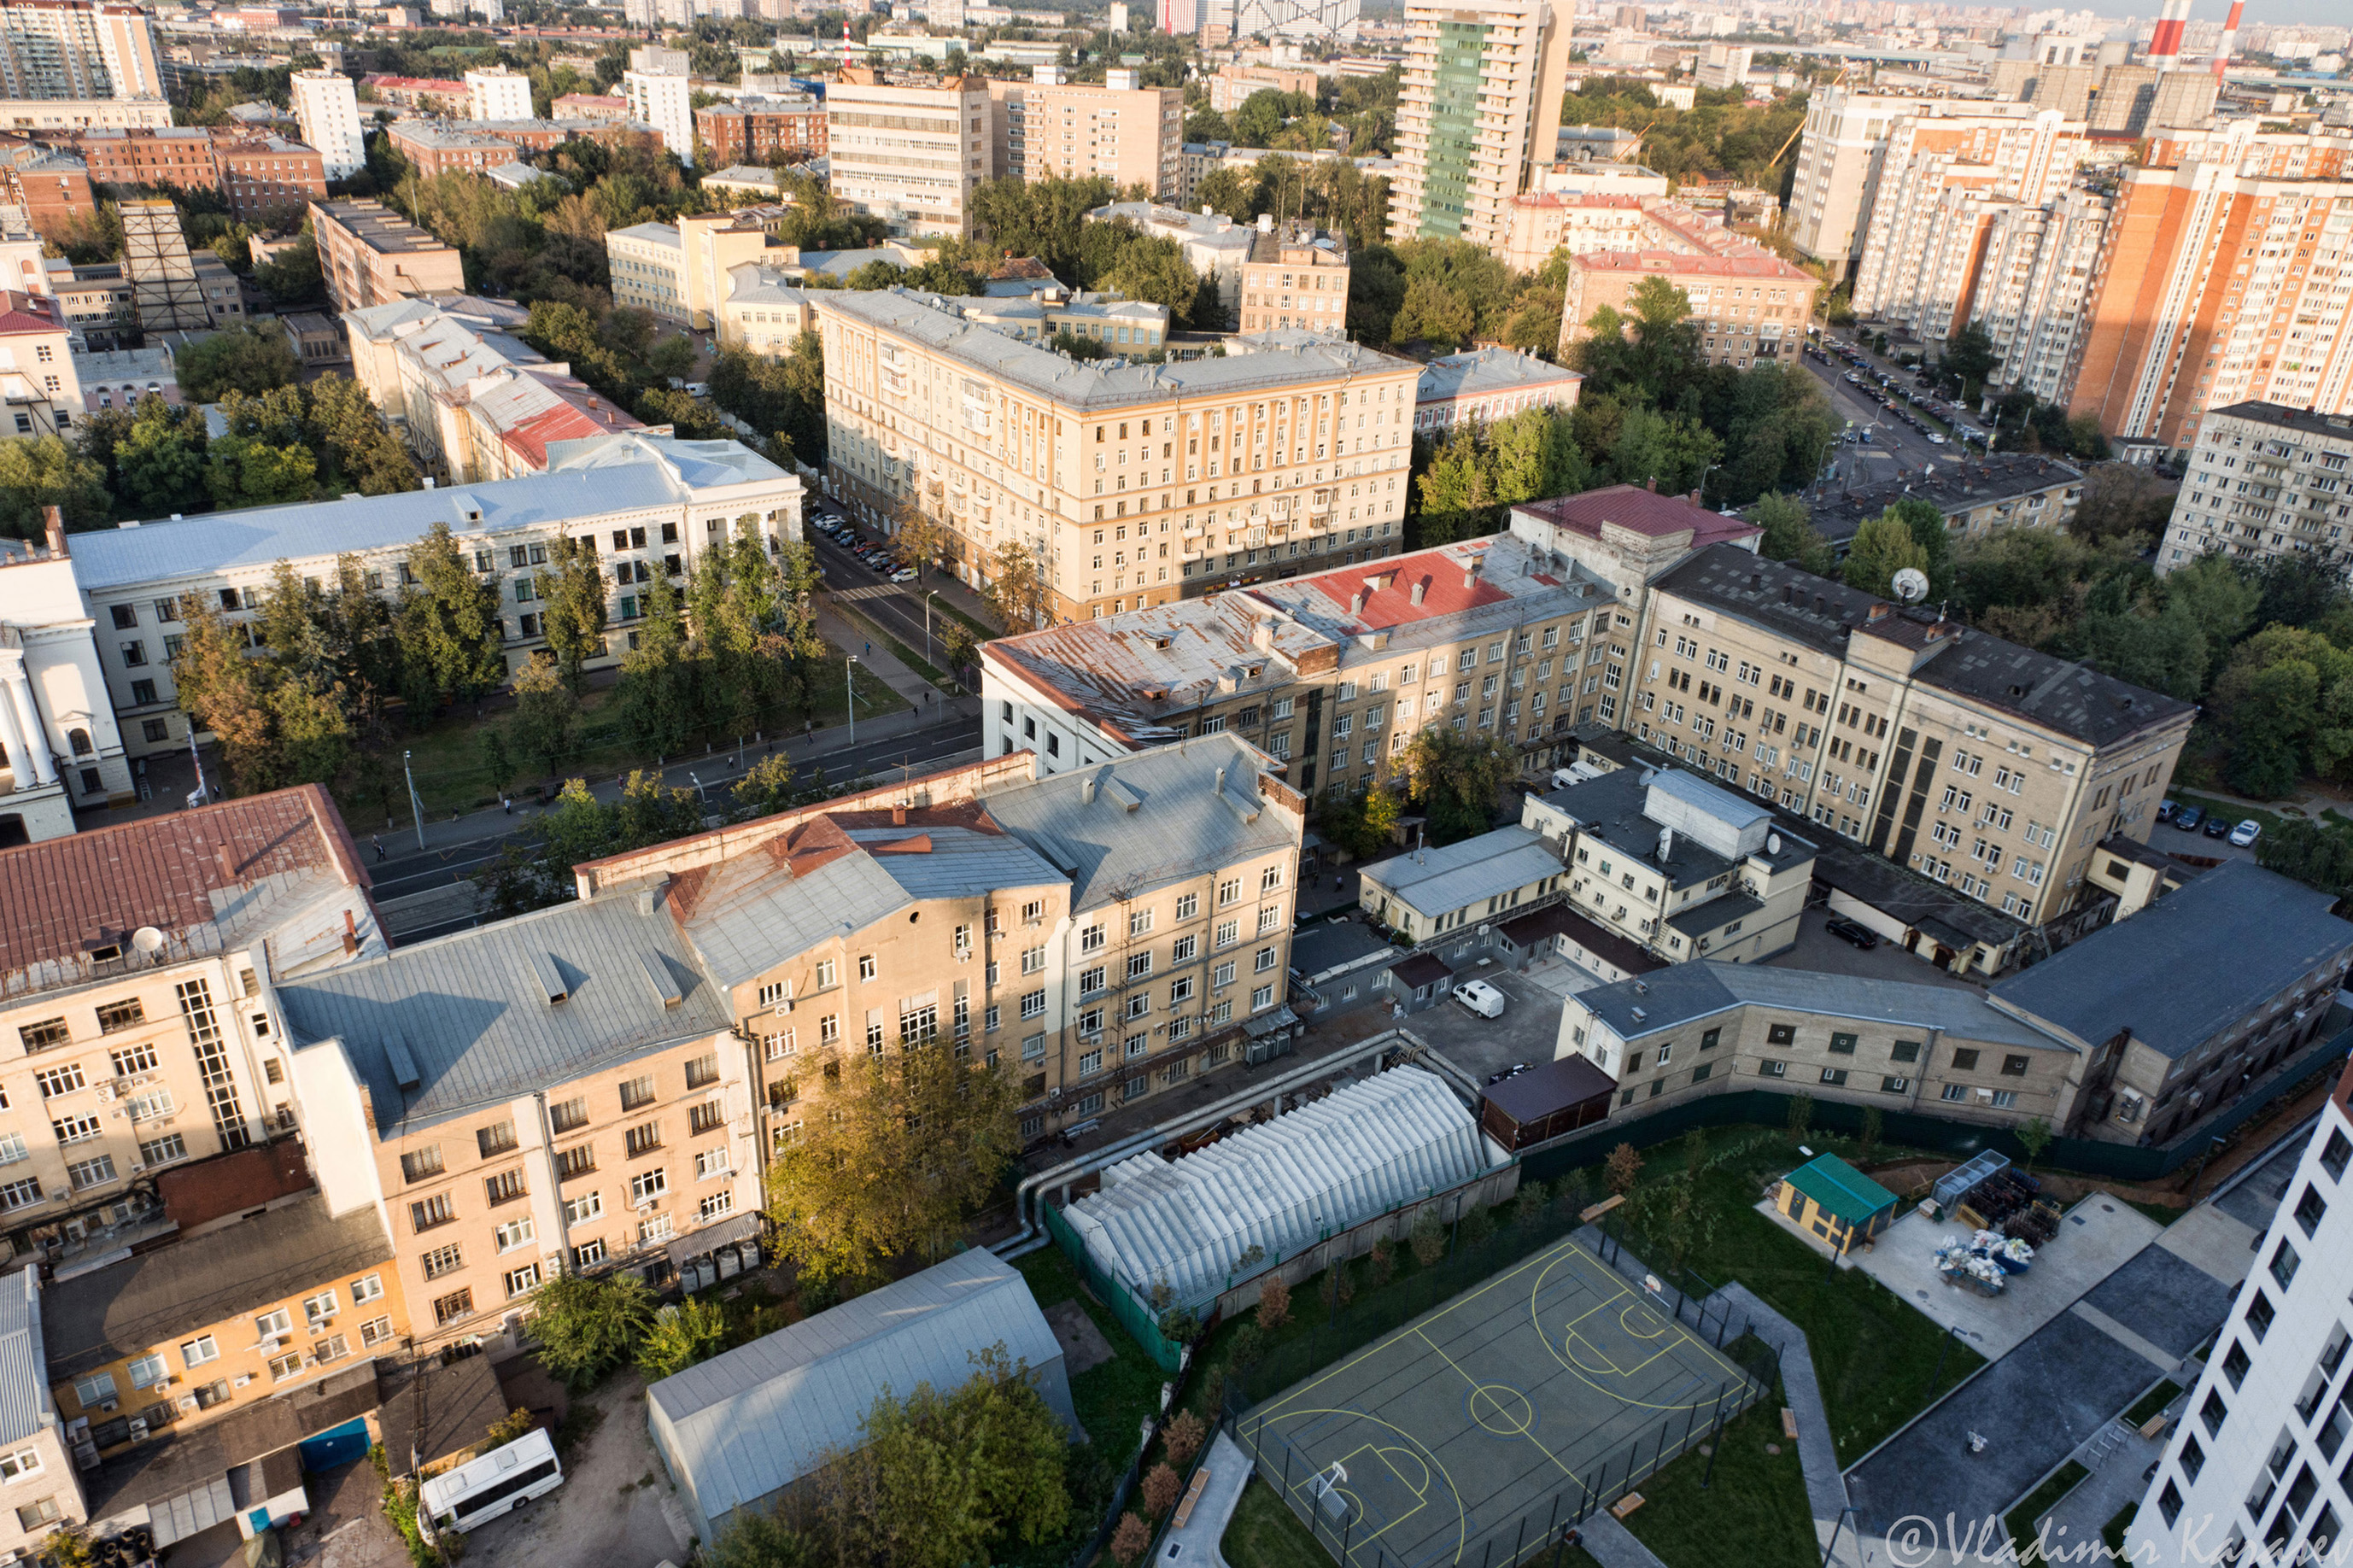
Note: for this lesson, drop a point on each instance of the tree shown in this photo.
(1455, 777)
(1160, 1487)
(895, 1152)
(250, 358)
(579, 828)
(1968, 355)
(924, 541)
(159, 461)
(1129, 1540)
(449, 627)
(1274, 1303)
(222, 690)
(1789, 534)
(764, 1540)
(2120, 499)
(498, 763)
(292, 278)
(691, 1332)
(571, 605)
(1183, 1438)
(1623, 1166)
(246, 470)
(1261, 117)
(1015, 592)
(547, 714)
(658, 694)
(587, 1325)
(43, 472)
(1883, 546)
(2036, 1137)
(1435, 314)
(1671, 452)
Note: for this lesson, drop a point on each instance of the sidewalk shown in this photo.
(917, 692)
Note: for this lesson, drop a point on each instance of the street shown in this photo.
(897, 608)
(1892, 446)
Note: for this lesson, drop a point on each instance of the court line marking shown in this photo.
(1422, 1451)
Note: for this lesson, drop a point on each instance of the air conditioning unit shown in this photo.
(242, 1379)
(107, 1408)
(105, 1093)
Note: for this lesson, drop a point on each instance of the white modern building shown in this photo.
(57, 725)
(499, 94)
(2251, 1467)
(2265, 481)
(910, 154)
(661, 94)
(327, 107)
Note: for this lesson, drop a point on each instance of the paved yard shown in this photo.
(2100, 1236)
(1526, 1033)
(615, 1509)
(1817, 949)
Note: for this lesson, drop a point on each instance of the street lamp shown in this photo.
(416, 809)
(849, 693)
(929, 594)
(1702, 479)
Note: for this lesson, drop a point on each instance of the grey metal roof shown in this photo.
(1611, 810)
(586, 478)
(1684, 993)
(470, 1013)
(651, 233)
(754, 912)
(743, 1424)
(1104, 383)
(960, 863)
(1435, 881)
(2333, 425)
(1182, 822)
(1960, 490)
(2193, 965)
(24, 1364)
(1478, 372)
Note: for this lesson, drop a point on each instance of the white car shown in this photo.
(2246, 833)
(904, 575)
(1481, 998)
(1935, 438)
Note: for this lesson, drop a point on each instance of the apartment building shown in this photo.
(433, 147)
(474, 404)
(1122, 132)
(590, 106)
(1330, 675)
(31, 1433)
(910, 154)
(1154, 956)
(1976, 763)
(660, 93)
(1538, 223)
(1942, 175)
(137, 1030)
(372, 256)
(2256, 960)
(762, 312)
(327, 108)
(2008, 489)
(1721, 1027)
(498, 94)
(1751, 307)
(1136, 326)
(1478, 112)
(2174, 333)
(51, 187)
(37, 378)
(1296, 279)
(752, 129)
(425, 94)
(2265, 481)
(1838, 151)
(1231, 86)
(648, 503)
(2034, 288)
(1487, 385)
(256, 173)
(680, 271)
(1216, 247)
(2253, 1457)
(59, 747)
(1077, 462)
(77, 49)
(263, 175)
(21, 115)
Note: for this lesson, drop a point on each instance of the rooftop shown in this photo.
(1761, 264)
(1210, 229)
(2304, 421)
(1642, 510)
(210, 881)
(1683, 993)
(2195, 964)
(1482, 372)
(1435, 881)
(742, 175)
(1841, 1189)
(1714, 829)
(377, 228)
(1955, 488)
(24, 1407)
(2037, 688)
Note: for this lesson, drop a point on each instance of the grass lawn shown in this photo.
(848, 609)
(1754, 1498)
(2113, 1532)
(1264, 1533)
(2155, 1400)
(447, 756)
(2042, 1500)
(1112, 1399)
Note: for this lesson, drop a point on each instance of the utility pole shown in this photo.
(415, 808)
(849, 691)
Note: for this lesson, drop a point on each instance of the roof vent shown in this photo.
(648, 898)
(1420, 587)
(1119, 791)
(403, 1063)
(665, 983)
(1087, 789)
(550, 979)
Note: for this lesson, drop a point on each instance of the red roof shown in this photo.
(1448, 585)
(421, 84)
(212, 1189)
(29, 313)
(1644, 512)
(67, 898)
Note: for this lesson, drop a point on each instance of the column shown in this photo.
(15, 743)
(28, 725)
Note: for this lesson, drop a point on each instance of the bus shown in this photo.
(481, 1489)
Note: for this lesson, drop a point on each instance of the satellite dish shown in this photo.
(148, 940)
(1911, 584)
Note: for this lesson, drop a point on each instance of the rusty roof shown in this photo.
(207, 878)
(1642, 510)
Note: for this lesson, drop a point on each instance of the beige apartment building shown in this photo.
(1129, 484)
(1296, 279)
(910, 154)
(1479, 112)
(1232, 86)
(679, 272)
(1750, 309)
(1120, 131)
(1980, 764)
(2265, 482)
(372, 256)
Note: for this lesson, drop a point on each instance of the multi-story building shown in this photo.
(1215, 246)
(372, 256)
(2265, 481)
(59, 747)
(1330, 675)
(498, 95)
(31, 1433)
(474, 404)
(2174, 333)
(910, 154)
(433, 147)
(77, 49)
(763, 312)
(1751, 307)
(649, 504)
(1839, 149)
(21, 115)
(327, 106)
(1128, 485)
(660, 93)
(1538, 223)
(425, 94)
(1487, 385)
(2008, 489)
(1479, 111)
(256, 173)
(1225, 21)
(1231, 86)
(2034, 288)
(1723, 66)
(262, 175)
(753, 130)
(1120, 131)
(38, 383)
(680, 271)
(590, 106)
(1296, 279)
(51, 187)
(1976, 763)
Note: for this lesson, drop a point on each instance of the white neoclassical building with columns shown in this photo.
(59, 748)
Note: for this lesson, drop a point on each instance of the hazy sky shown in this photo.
(2331, 12)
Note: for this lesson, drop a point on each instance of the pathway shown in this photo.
(1228, 1470)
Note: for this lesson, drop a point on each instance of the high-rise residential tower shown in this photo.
(661, 94)
(72, 48)
(1479, 111)
(911, 155)
(327, 107)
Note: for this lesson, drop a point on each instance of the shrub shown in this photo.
(1384, 1261)
(1183, 1439)
(1249, 1344)
(1160, 1488)
(1274, 1304)
(1625, 1165)
(1131, 1540)
(1428, 1239)
(1477, 1227)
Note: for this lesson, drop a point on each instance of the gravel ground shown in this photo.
(615, 1510)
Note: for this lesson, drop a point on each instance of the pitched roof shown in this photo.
(1489, 370)
(1644, 512)
(1685, 993)
(2190, 966)
(1455, 875)
(1838, 1187)
(210, 879)
(24, 1406)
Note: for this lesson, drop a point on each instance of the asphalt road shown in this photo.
(898, 609)
(1891, 442)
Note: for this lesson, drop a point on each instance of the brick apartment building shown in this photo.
(371, 256)
(53, 187)
(753, 130)
(256, 173)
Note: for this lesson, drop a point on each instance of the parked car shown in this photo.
(1514, 1070)
(2246, 833)
(2187, 818)
(1481, 998)
(904, 575)
(1936, 438)
(1848, 931)
(2165, 810)
(2217, 826)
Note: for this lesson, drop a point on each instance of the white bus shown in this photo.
(480, 1489)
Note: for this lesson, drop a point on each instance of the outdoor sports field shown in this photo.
(1469, 1434)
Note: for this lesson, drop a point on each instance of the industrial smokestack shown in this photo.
(2230, 43)
(2165, 43)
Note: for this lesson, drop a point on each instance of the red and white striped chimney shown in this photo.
(2230, 43)
(2165, 43)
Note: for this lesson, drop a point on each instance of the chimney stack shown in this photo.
(53, 522)
(1471, 571)
(1652, 484)
(351, 934)
(899, 813)
(1694, 497)
(1420, 586)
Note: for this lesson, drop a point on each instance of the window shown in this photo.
(2284, 1264)
(47, 1032)
(1842, 1044)
(375, 1332)
(1780, 1034)
(1223, 975)
(77, 1129)
(1033, 1005)
(55, 1082)
(133, 1061)
(2014, 1066)
(825, 974)
(1188, 906)
(2168, 1501)
(367, 1288)
(710, 1162)
(638, 1092)
(98, 1388)
(1965, 1062)
(513, 1234)
(1228, 933)
(580, 1210)
(567, 1116)
(122, 1015)
(1903, 1051)
(2310, 1210)
(1261, 998)
(1895, 1086)
(320, 1307)
(147, 1371)
(1834, 1076)
(866, 970)
(21, 1463)
(647, 1186)
(2235, 1364)
(20, 1195)
(457, 1304)
(1955, 1091)
(577, 1161)
(443, 1261)
(424, 1216)
(96, 1173)
(32, 1516)
(504, 1187)
(496, 1139)
(421, 1164)
(1228, 891)
(644, 1139)
(199, 1350)
(655, 1227)
(2213, 1412)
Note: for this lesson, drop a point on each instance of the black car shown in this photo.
(1846, 929)
(2188, 817)
(2217, 825)
(1514, 1070)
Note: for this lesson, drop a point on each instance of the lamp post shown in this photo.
(416, 809)
(849, 693)
(1703, 480)
(929, 594)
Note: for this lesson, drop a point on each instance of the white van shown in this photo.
(1481, 998)
(481, 1489)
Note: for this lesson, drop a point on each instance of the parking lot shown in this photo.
(1526, 1033)
(1818, 950)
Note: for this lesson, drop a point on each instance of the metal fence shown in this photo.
(1136, 1317)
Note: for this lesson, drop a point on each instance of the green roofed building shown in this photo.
(1836, 1202)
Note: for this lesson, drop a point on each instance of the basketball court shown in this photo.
(1468, 1436)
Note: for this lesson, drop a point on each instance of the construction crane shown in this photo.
(1843, 68)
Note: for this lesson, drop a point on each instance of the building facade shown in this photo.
(498, 95)
(660, 93)
(63, 749)
(1751, 309)
(911, 155)
(1128, 485)
(372, 256)
(1215, 246)
(77, 49)
(51, 187)
(1296, 279)
(2264, 483)
(752, 129)
(2035, 290)
(1487, 385)
(257, 173)
(38, 380)
(1120, 131)
(1479, 111)
(327, 107)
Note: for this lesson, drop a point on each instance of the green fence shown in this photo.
(1917, 1130)
(1136, 1317)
